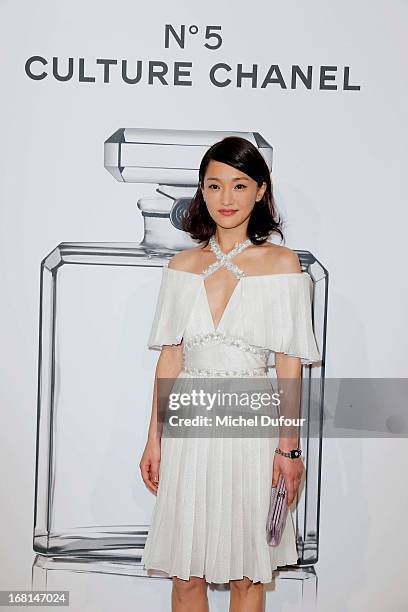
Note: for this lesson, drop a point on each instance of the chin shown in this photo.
(232, 221)
(227, 223)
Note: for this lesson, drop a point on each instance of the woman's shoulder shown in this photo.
(273, 259)
(192, 260)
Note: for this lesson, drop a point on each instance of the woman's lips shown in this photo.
(227, 211)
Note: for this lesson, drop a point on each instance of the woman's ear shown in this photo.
(261, 191)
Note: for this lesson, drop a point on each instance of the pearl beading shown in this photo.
(219, 337)
(214, 372)
(224, 259)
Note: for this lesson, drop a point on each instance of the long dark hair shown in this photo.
(242, 155)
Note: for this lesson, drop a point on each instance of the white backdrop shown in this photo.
(338, 176)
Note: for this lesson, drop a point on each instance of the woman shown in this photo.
(224, 307)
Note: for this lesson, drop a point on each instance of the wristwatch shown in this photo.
(293, 454)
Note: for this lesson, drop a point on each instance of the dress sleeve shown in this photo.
(282, 317)
(297, 338)
(172, 313)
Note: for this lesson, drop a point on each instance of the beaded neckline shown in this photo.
(238, 247)
(224, 259)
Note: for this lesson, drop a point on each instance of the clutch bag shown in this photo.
(278, 510)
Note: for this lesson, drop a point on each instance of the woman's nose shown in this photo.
(227, 198)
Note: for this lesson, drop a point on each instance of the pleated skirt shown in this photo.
(210, 514)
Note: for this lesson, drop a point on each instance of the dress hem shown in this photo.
(202, 575)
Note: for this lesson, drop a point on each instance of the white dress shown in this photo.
(213, 496)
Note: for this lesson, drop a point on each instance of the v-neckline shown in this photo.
(223, 260)
(215, 328)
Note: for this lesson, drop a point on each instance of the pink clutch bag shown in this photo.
(278, 510)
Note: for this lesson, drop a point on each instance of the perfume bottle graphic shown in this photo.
(96, 375)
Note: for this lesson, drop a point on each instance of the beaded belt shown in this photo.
(201, 339)
(213, 372)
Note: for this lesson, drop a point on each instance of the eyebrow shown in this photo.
(236, 178)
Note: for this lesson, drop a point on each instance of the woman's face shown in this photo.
(227, 189)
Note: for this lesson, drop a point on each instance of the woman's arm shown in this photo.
(168, 365)
(289, 374)
(288, 370)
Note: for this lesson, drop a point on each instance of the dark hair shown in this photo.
(243, 155)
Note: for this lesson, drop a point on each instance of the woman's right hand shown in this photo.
(149, 464)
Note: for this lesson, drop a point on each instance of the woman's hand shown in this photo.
(292, 470)
(149, 464)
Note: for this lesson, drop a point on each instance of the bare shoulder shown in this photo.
(184, 260)
(277, 259)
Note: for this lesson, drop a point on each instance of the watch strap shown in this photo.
(294, 453)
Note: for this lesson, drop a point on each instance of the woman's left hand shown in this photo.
(292, 470)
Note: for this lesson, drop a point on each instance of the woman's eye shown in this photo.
(216, 186)
(238, 185)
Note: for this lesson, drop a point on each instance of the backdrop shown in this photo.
(323, 83)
